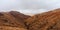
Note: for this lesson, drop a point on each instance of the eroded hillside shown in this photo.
(45, 21)
(12, 19)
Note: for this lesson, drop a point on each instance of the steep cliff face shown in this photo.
(13, 19)
(45, 21)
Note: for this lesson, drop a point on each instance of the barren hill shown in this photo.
(13, 19)
(45, 21)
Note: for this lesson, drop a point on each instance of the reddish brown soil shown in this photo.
(45, 21)
(17, 21)
(10, 28)
(13, 19)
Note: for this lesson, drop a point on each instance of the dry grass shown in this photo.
(45, 21)
(17, 21)
(12, 20)
(10, 28)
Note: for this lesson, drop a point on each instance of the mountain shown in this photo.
(19, 15)
(44, 21)
(13, 19)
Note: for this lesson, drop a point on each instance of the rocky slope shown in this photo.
(12, 19)
(11, 28)
(45, 21)
(17, 21)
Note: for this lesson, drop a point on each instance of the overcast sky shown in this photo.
(29, 5)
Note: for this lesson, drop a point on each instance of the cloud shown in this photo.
(29, 6)
(32, 11)
(41, 4)
(9, 4)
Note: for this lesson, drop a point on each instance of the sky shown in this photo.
(29, 6)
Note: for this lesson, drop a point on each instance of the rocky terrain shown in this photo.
(45, 21)
(12, 20)
(11, 28)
